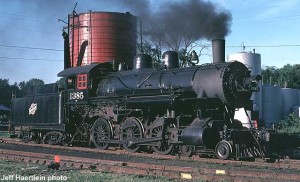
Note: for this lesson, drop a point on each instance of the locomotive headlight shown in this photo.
(251, 83)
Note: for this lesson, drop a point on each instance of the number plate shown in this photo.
(77, 95)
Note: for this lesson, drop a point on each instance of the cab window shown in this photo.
(82, 81)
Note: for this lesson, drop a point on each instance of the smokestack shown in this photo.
(218, 50)
(67, 60)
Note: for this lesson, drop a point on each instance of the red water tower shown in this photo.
(102, 36)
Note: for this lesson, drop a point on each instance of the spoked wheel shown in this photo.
(186, 150)
(101, 130)
(158, 130)
(26, 136)
(132, 130)
(36, 138)
(223, 150)
(54, 138)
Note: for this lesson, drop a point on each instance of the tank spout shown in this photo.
(67, 60)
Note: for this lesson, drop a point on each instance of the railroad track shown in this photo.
(174, 172)
(282, 163)
(227, 170)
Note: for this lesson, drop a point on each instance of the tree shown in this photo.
(287, 76)
(25, 86)
(6, 91)
(61, 82)
(153, 46)
(294, 81)
(269, 75)
(154, 52)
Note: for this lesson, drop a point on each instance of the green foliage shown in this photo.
(13, 168)
(18, 90)
(290, 124)
(61, 82)
(287, 76)
(26, 85)
(32, 82)
(5, 90)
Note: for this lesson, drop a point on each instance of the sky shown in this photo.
(31, 45)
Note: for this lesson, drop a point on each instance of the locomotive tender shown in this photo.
(167, 109)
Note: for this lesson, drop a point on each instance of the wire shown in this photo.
(31, 59)
(267, 20)
(27, 18)
(284, 45)
(26, 29)
(34, 48)
(60, 50)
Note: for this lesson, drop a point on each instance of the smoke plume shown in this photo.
(180, 22)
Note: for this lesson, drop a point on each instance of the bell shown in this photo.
(194, 56)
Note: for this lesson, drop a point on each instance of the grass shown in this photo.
(41, 173)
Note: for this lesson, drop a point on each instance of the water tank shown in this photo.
(290, 98)
(111, 36)
(272, 104)
(253, 62)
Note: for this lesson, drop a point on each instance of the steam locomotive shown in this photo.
(168, 109)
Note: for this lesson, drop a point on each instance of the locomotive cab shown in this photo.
(81, 81)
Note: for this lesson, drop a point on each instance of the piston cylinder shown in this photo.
(200, 136)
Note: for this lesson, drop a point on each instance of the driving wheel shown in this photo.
(159, 129)
(100, 131)
(132, 130)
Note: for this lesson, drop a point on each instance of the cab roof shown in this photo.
(87, 69)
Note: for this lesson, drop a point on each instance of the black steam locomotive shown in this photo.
(168, 109)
